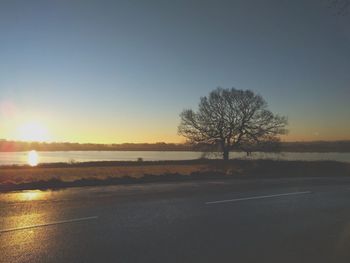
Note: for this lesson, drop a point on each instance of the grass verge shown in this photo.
(61, 175)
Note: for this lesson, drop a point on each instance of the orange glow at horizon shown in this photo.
(43, 128)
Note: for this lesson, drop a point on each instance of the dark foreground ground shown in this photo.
(269, 220)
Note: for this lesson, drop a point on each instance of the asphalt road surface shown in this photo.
(284, 220)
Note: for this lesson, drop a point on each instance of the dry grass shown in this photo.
(70, 174)
(104, 173)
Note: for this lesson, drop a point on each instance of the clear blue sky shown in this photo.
(122, 71)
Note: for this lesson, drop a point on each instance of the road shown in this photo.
(272, 220)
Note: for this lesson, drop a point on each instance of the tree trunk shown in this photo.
(226, 153)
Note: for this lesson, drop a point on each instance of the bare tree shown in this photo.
(341, 7)
(228, 118)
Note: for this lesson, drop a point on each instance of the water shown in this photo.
(18, 158)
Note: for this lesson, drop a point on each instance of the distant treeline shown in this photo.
(17, 146)
(315, 146)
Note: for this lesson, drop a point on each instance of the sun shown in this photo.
(33, 132)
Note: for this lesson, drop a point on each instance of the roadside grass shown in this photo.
(61, 175)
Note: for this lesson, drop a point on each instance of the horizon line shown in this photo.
(160, 142)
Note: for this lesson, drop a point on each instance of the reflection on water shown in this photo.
(33, 158)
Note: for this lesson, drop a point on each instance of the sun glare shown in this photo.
(30, 195)
(33, 158)
(33, 131)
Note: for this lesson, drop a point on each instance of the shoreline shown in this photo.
(182, 150)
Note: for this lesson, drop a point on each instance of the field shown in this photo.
(61, 175)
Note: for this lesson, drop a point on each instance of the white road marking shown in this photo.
(257, 197)
(49, 224)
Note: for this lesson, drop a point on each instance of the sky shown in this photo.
(122, 71)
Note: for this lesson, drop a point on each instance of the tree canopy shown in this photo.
(231, 118)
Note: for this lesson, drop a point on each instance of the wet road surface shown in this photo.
(272, 220)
